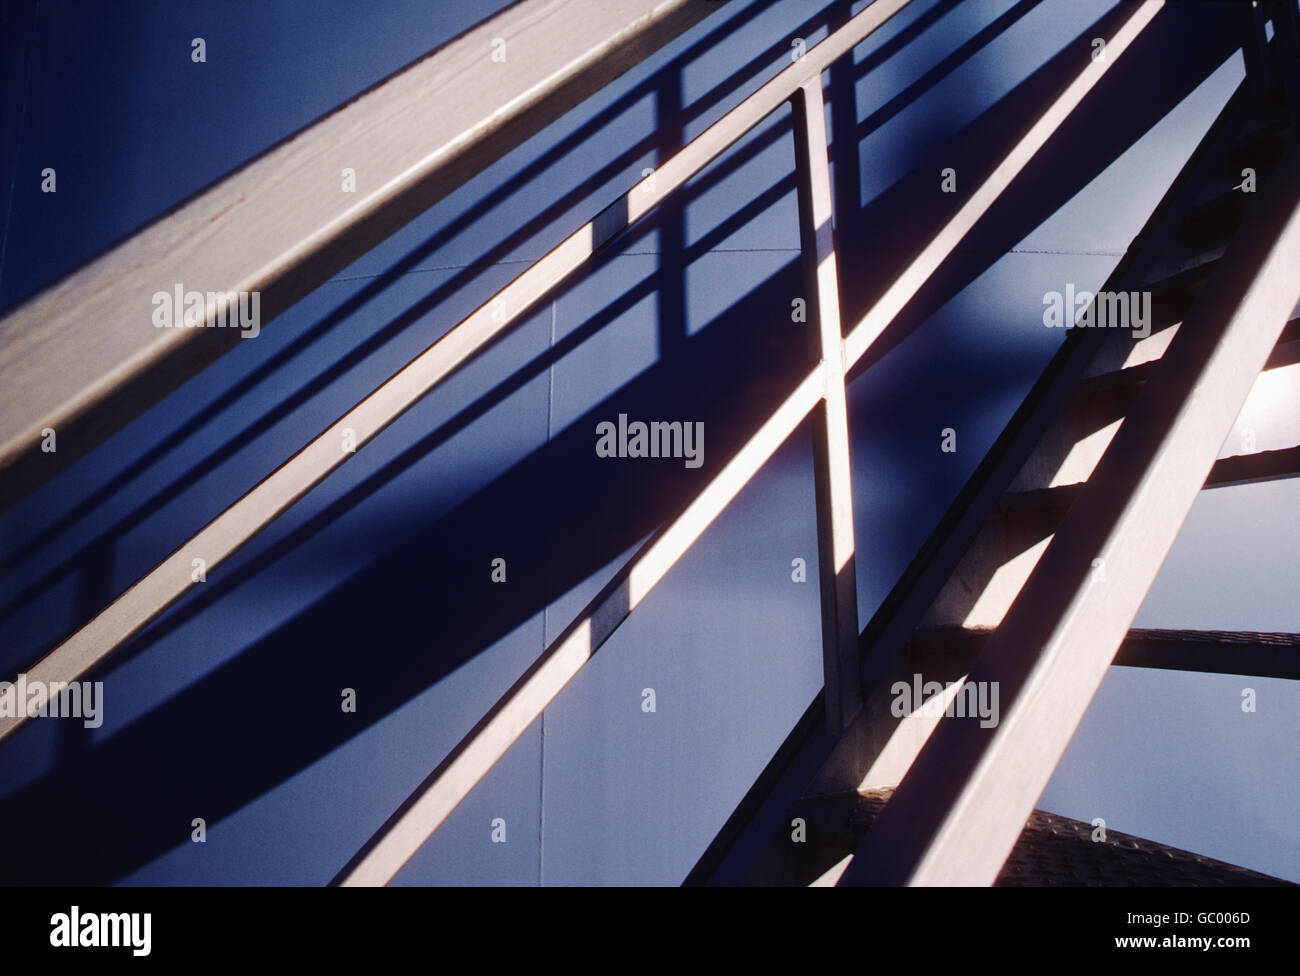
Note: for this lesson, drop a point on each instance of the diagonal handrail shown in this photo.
(821, 389)
(82, 357)
(425, 810)
(169, 580)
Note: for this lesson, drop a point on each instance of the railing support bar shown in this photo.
(835, 542)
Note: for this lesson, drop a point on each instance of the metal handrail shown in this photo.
(821, 392)
(167, 582)
(82, 358)
(430, 804)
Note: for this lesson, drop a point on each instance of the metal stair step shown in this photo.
(1234, 470)
(1286, 353)
(1258, 654)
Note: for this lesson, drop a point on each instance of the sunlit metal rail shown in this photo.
(631, 32)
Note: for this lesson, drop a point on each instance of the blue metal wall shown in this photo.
(228, 707)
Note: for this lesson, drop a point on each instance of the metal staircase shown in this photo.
(1034, 575)
(1030, 582)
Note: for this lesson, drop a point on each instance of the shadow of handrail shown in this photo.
(220, 769)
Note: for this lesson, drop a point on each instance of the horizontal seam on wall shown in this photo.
(722, 250)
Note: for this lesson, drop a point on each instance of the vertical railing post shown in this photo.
(839, 598)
